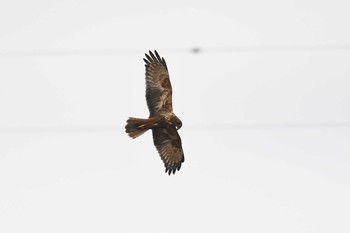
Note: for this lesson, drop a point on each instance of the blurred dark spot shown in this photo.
(196, 50)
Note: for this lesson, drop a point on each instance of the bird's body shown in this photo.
(162, 120)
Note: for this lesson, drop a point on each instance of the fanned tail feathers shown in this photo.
(135, 127)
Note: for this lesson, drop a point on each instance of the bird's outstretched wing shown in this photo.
(158, 86)
(168, 144)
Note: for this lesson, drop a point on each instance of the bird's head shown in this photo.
(178, 125)
(175, 121)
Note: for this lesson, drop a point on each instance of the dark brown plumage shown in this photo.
(162, 120)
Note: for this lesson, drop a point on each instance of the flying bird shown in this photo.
(162, 120)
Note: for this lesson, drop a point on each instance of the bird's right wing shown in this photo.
(158, 86)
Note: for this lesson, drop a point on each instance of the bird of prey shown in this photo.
(162, 120)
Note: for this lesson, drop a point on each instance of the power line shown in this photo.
(275, 48)
(65, 52)
(62, 129)
(287, 125)
(96, 129)
(195, 50)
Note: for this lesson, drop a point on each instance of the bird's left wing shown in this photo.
(168, 143)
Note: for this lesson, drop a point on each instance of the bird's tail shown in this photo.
(136, 126)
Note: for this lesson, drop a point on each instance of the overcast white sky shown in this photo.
(265, 107)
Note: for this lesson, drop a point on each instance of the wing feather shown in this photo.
(168, 144)
(158, 86)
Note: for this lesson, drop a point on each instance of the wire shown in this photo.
(63, 129)
(95, 129)
(195, 50)
(274, 48)
(65, 52)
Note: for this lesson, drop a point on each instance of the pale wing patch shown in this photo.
(158, 86)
